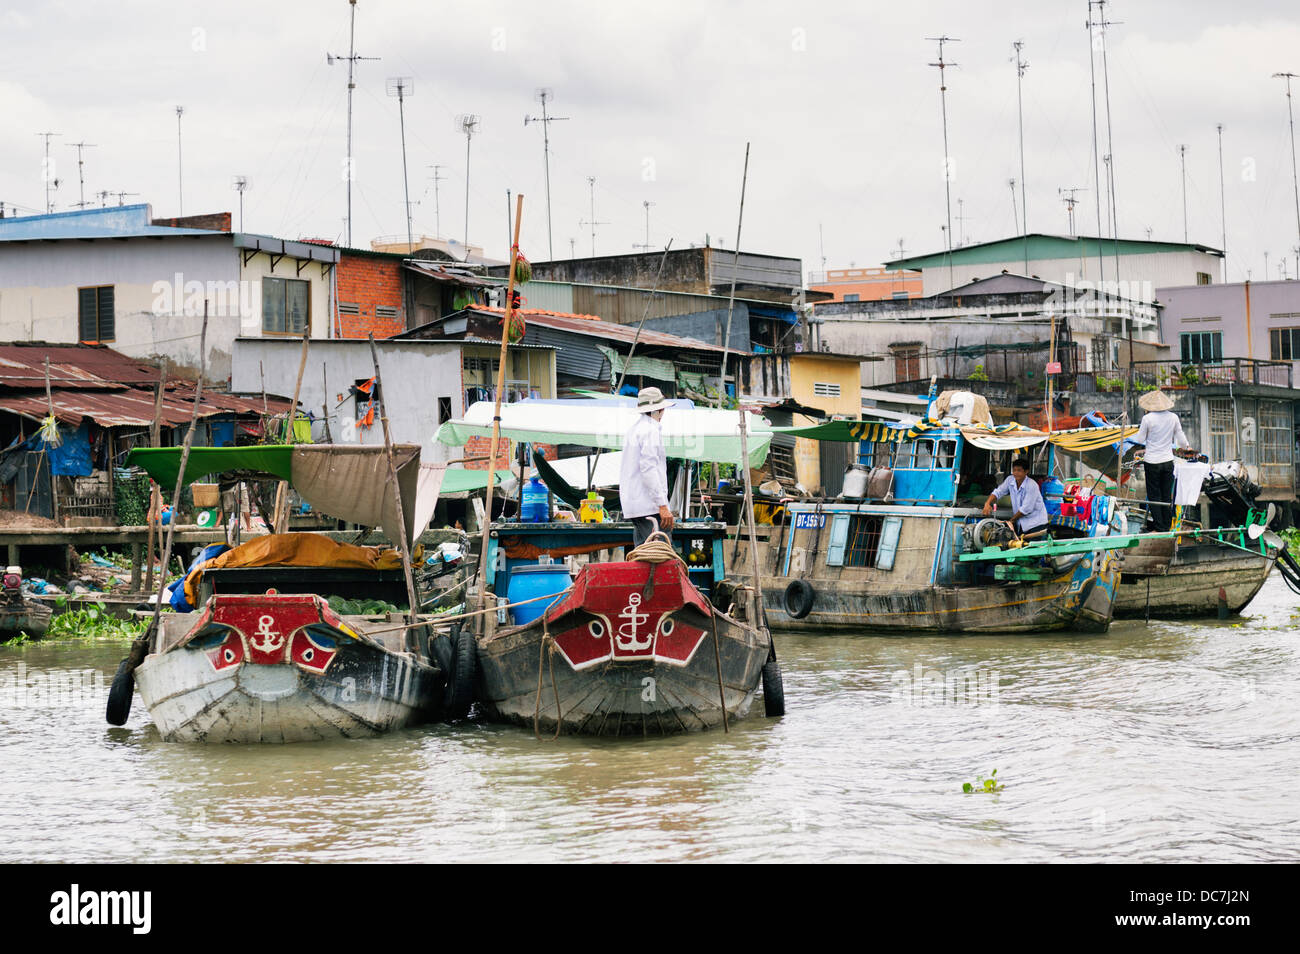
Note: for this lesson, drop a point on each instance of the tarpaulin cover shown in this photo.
(346, 481)
(72, 457)
(688, 433)
(293, 549)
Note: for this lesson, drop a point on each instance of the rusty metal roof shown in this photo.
(22, 365)
(133, 406)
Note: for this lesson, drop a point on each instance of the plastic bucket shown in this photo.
(533, 580)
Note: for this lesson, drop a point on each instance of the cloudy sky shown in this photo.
(836, 98)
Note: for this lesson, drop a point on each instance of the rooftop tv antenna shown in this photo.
(468, 124)
(1223, 213)
(402, 87)
(647, 246)
(81, 171)
(1182, 158)
(47, 172)
(437, 203)
(947, 159)
(180, 165)
(1291, 117)
(543, 95)
(1068, 197)
(241, 184)
(352, 59)
(591, 183)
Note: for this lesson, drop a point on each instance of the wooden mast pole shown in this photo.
(496, 416)
(281, 516)
(402, 541)
(155, 495)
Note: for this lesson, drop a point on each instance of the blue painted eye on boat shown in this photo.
(209, 640)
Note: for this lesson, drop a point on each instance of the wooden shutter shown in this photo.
(839, 539)
(888, 543)
(87, 313)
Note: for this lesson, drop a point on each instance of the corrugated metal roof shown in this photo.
(131, 406)
(22, 365)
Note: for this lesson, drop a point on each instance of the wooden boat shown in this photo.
(1193, 578)
(911, 557)
(261, 656)
(631, 647)
(285, 668)
(20, 615)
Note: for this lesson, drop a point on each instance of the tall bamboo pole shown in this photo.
(496, 415)
(403, 542)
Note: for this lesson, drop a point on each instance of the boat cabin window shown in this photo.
(863, 540)
(945, 453)
(923, 455)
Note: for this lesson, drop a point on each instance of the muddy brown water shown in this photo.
(1161, 742)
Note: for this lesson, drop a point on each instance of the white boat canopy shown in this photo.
(689, 433)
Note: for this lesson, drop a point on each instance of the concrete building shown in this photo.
(1070, 260)
(700, 271)
(115, 276)
(1253, 320)
(428, 383)
(866, 284)
(1000, 329)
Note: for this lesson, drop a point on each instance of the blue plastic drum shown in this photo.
(533, 580)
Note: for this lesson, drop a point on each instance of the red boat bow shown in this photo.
(613, 613)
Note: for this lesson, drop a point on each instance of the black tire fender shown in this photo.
(798, 599)
(120, 694)
(459, 695)
(773, 689)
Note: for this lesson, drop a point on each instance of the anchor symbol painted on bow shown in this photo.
(270, 640)
(627, 633)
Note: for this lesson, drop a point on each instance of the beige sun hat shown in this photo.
(651, 399)
(1156, 401)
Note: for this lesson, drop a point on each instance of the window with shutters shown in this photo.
(1284, 344)
(95, 314)
(1201, 347)
(286, 306)
(907, 362)
(854, 540)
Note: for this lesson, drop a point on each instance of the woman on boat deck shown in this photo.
(1030, 514)
(643, 477)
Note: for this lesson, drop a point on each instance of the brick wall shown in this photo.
(369, 283)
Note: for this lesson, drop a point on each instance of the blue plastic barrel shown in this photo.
(536, 506)
(1053, 488)
(533, 580)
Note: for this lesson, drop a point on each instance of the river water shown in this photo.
(1161, 742)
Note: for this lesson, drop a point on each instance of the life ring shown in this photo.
(798, 599)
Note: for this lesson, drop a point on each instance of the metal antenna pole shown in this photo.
(47, 172)
(1291, 117)
(1110, 146)
(401, 87)
(81, 171)
(1021, 66)
(351, 59)
(591, 183)
(1096, 153)
(1223, 209)
(543, 95)
(468, 124)
(180, 165)
(437, 202)
(731, 298)
(947, 159)
(646, 247)
(241, 184)
(1182, 158)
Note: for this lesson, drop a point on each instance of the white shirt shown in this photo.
(1026, 500)
(643, 477)
(1161, 432)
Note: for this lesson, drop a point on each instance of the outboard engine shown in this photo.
(989, 532)
(1231, 493)
(11, 587)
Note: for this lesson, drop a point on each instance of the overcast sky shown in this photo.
(837, 99)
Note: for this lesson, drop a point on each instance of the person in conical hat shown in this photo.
(643, 476)
(1161, 433)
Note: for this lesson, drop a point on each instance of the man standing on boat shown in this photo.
(1161, 432)
(1029, 513)
(643, 477)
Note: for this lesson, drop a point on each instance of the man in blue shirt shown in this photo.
(1029, 513)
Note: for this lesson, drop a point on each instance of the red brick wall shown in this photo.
(506, 449)
(370, 283)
